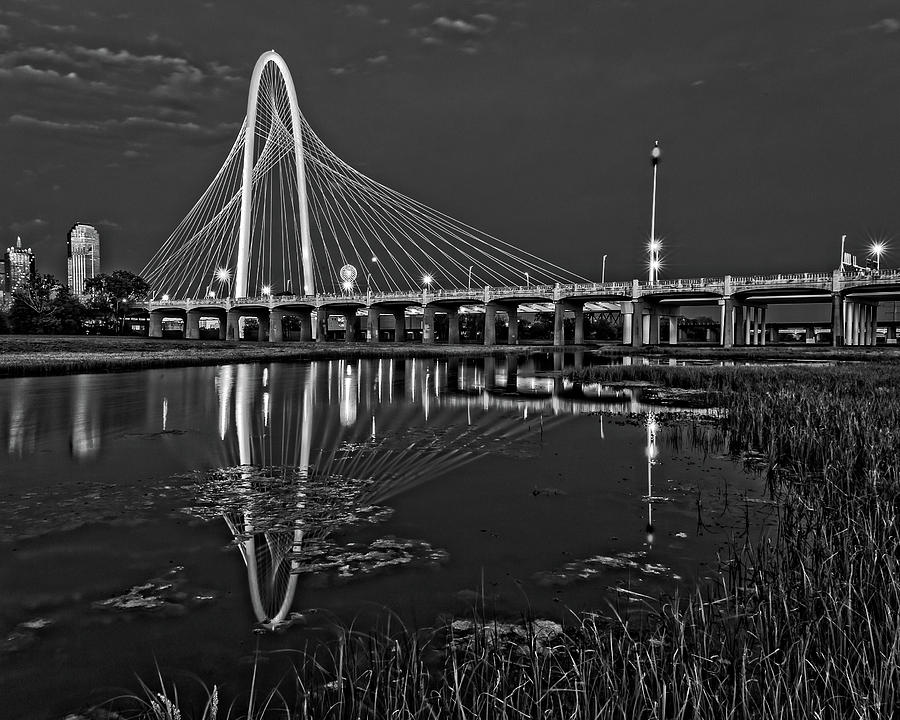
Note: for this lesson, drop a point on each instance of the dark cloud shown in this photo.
(888, 26)
(456, 25)
(143, 123)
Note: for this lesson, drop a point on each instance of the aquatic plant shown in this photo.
(805, 623)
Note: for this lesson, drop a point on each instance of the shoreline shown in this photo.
(35, 355)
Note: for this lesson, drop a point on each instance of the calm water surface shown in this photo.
(186, 517)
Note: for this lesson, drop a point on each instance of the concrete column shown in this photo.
(192, 325)
(637, 324)
(875, 323)
(512, 313)
(223, 325)
(264, 325)
(673, 329)
(490, 324)
(837, 320)
(754, 330)
(350, 325)
(400, 325)
(453, 323)
(306, 333)
(559, 314)
(892, 335)
(810, 334)
(762, 325)
(652, 334)
(234, 327)
(848, 322)
(726, 329)
(322, 325)
(579, 324)
(156, 319)
(276, 330)
(428, 325)
(746, 326)
(627, 312)
(372, 324)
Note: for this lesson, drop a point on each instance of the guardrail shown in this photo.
(548, 292)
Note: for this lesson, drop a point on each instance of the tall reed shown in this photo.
(804, 623)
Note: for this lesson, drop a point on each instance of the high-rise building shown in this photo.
(84, 257)
(18, 266)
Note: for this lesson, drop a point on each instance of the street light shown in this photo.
(223, 275)
(426, 280)
(654, 245)
(266, 290)
(877, 248)
(603, 271)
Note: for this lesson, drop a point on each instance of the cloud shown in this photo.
(357, 10)
(377, 59)
(888, 26)
(28, 229)
(29, 73)
(132, 122)
(4, 32)
(63, 126)
(459, 26)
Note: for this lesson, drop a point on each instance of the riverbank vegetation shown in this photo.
(804, 622)
(22, 355)
(44, 306)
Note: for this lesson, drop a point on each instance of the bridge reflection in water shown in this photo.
(302, 451)
(357, 435)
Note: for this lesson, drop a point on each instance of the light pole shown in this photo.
(877, 249)
(469, 286)
(527, 280)
(654, 245)
(223, 275)
(603, 271)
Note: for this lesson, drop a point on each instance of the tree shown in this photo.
(42, 305)
(32, 305)
(69, 313)
(110, 295)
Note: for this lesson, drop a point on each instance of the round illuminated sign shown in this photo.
(348, 273)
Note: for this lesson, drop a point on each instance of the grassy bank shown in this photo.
(803, 624)
(22, 355)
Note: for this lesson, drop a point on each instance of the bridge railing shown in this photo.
(781, 279)
(681, 284)
(872, 277)
(605, 288)
(520, 291)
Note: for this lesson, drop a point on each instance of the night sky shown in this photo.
(530, 120)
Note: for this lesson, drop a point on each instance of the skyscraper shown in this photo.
(18, 266)
(84, 257)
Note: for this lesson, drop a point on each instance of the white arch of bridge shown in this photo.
(242, 268)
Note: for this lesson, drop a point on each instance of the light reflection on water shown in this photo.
(421, 485)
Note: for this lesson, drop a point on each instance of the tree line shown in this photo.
(43, 305)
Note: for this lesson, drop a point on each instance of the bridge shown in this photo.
(291, 239)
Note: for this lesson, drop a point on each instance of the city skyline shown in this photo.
(529, 123)
(83, 253)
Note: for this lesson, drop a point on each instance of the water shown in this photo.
(185, 517)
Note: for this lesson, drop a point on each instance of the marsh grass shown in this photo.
(804, 623)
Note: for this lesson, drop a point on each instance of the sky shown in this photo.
(531, 120)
